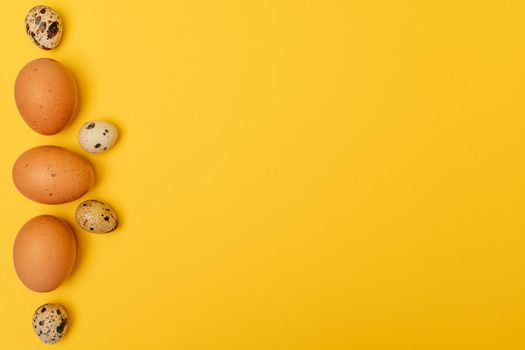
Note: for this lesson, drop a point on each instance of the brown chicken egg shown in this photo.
(46, 95)
(44, 253)
(52, 175)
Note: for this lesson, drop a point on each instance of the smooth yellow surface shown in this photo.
(291, 175)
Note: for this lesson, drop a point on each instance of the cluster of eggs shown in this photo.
(46, 96)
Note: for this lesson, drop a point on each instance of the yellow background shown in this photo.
(291, 175)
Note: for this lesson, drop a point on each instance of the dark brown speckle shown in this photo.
(61, 326)
(52, 30)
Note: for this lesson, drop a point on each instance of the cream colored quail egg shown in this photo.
(44, 27)
(97, 136)
(96, 217)
(50, 323)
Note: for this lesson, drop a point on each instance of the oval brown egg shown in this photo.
(46, 95)
(44, 253)
(52, 175)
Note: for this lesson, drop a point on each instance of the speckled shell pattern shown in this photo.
(50, 323)
(44, 27)
(96, 217)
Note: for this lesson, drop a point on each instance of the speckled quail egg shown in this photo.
(50, 323)
(44, 27)
(97, 136)
(96, 217)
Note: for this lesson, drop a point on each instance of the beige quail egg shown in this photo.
(97, 136)
(44, 27)
(96, 217)
(50, 323)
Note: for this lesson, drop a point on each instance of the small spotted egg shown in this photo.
(97, 136)
(44, 27)
(50, 323)
(96, 217)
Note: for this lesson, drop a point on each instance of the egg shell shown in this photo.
(44, 27)
(52, 175)
(46, 96)
(96, 217)
(97, 136)
(50, 323)
(44, 253)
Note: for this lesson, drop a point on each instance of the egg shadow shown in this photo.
(77, 68)
(71, 312)
(81, 249)
(80, 102)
